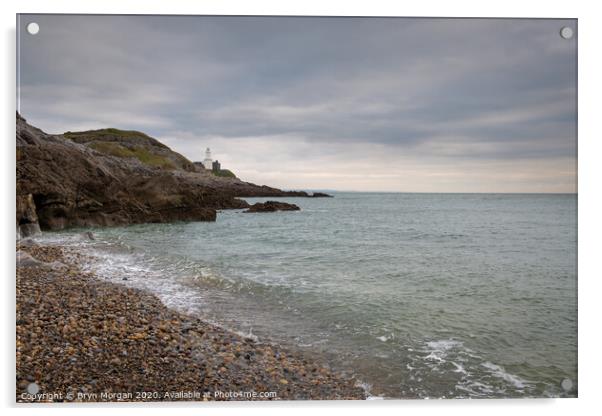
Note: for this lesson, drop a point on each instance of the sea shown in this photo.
(417, 295)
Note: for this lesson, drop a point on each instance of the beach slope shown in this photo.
(83, 339)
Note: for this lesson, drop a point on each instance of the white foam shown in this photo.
(367, 387)
(385, 338)
(434, 356)
(137, 270)
(249, 335)
(475, 388)
(439, 350)
(459, 368)
(499, 372)
(443, 345)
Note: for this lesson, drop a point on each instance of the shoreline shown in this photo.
(83, 339)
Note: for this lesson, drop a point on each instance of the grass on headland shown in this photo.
(108, 134)
(140, 153)
(225, 173)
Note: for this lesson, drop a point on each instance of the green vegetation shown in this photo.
(109, 134)
(140, 153)
(225, 173)
(110, 148)
(151, 159)
(131, 143)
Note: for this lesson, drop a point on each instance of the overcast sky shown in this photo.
(412, 105)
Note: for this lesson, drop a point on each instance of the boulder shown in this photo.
(88, 235)
(25, 259)
(27, 218)
(27, 230)
(272, 206)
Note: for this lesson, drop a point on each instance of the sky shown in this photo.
(360, 104)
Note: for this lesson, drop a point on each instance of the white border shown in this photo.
(590, 207)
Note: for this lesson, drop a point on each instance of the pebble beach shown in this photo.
(86, 340)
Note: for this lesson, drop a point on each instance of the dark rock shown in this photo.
(99, 178)
(321, 195)
(26, 230)
(27, 218)
(249, 190)
(88, 235)
(272, 206)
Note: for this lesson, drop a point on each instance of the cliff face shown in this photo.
(111, 177)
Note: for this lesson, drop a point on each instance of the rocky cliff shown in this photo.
(115, 177)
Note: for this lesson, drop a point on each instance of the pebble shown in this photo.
(95, 336)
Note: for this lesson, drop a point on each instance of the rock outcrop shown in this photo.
(65, 183)
(116, 177)
(27, 218)
(272, 206)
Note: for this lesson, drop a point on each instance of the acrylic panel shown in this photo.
(295, 208)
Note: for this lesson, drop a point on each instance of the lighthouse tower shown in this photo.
(207, 162)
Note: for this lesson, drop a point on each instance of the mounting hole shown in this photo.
(566, 384)
(33, 388)
(566, 32)
(33, 28)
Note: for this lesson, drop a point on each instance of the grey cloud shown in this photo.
(458, 91)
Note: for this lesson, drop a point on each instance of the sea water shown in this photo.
(417, 295)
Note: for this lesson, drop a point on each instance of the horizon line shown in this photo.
(431, 192)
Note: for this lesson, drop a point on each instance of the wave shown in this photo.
(232, 289)
(474, 375)
(499, 372)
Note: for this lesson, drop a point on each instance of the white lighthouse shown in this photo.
(207, 162)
